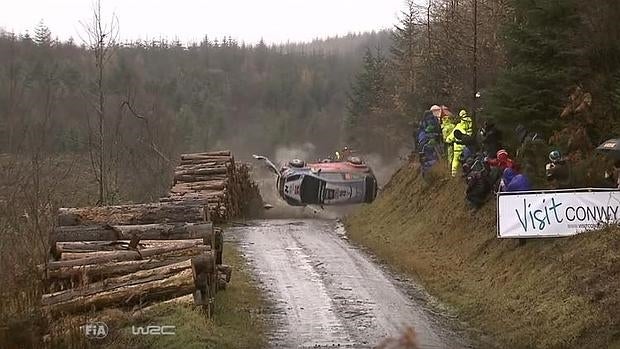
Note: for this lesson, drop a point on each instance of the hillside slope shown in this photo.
(552, 293)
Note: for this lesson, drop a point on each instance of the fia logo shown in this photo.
(96, 330)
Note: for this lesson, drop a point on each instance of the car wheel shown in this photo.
(371, 189)
(297, 163)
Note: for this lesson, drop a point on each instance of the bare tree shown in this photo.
(151, 140)
(475, 59)
(428, 25)
(101, 40)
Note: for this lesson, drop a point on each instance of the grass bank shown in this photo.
(238, 321)
(551, 293)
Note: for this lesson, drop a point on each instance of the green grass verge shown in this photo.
(548, 293)
(237, 323)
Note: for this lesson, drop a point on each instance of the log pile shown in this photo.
(133, 255)
(214, 180)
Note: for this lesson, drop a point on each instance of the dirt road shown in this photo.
(327, 293)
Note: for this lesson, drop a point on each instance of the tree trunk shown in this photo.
(94, 272)
(201, 171)
(131, 214)
(197, 178)
(136, 278)
(179, 284)
(119, 256)
(94, 246)
(210, 187)
(222, 153)
(190, 197)
(176, 231)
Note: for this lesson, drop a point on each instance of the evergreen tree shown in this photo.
(25, 37)
(361, 97)
(42, 35)
(380, 82)
(369, 109)
(542, 64)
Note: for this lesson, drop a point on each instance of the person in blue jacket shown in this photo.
(428, 141)
(514, 181)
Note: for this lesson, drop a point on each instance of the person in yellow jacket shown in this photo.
(447, 125)
(465, 126)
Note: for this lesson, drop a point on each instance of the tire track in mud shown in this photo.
(327, 293)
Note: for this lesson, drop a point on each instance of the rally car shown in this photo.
(324, 183)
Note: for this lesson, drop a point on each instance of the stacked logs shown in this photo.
(214, 180)
(132, 255)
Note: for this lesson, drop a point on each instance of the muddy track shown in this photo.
(327, 293)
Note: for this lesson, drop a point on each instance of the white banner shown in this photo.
(555, 213)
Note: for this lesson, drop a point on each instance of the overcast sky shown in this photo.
(246, 20)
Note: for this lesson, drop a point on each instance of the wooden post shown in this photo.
(205, 278)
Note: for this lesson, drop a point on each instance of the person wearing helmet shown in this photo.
(465, 127)
(344, 155)
(555, 156)
(557, 170)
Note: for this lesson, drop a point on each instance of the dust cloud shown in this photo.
(306, 152)
(384, 167)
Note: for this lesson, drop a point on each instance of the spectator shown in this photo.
(557, 171)
(497, 166)
(525, 138)
(445, 111)
(428, 148)
(429, 126)
(464, 127)
(613, 176)
(475, 162)
(447, 126)
(531, 152)
(514, 181)
(428, 141)
(470, 143)
(478, 188)
(490, 138)
(502, 160)
(436, 110)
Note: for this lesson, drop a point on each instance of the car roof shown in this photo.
(339, 167)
